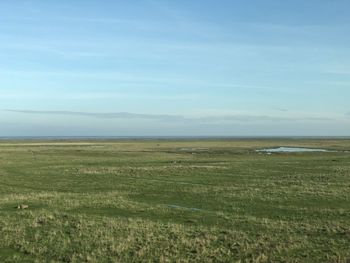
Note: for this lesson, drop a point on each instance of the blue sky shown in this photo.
(184, 67)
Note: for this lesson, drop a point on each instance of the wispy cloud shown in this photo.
(244, 118)
(141, 79)
(108, 115)
(279, 109)
(177, 118)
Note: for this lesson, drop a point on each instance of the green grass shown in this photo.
(174, 201)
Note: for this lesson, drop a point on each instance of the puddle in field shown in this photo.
(183, 207)
(292, 150)
(194, 149)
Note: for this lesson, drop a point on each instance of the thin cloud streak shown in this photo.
(139, 79)
(165, 117)
(280, 109)
(108, 115)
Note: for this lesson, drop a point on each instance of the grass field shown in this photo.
(174, 201)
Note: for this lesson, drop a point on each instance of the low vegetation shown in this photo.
(174, 201)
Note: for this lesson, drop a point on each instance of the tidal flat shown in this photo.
(207, 200)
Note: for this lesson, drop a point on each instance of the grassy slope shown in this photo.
(181, 200)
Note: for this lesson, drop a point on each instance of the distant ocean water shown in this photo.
(59, 138)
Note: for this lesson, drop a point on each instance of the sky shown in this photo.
(174, 68)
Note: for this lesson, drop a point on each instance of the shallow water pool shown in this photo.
(291, 150)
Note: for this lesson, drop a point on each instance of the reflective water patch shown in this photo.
(292, 150)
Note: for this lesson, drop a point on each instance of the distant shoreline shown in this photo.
(104, 138)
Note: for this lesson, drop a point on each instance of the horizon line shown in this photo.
(164, 137)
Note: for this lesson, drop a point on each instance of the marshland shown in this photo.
(213, 200)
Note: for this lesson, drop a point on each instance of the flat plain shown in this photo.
(174, 201)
